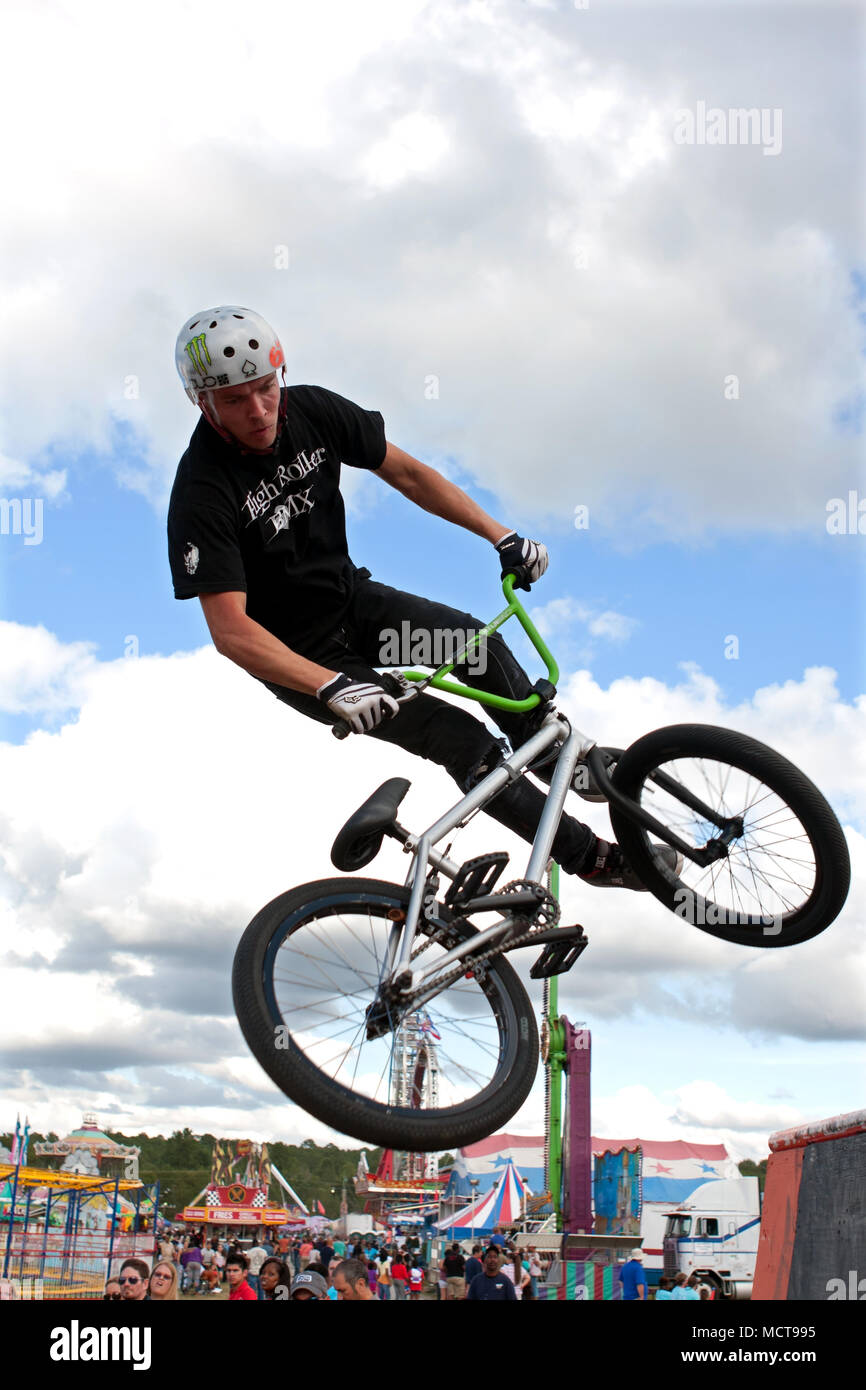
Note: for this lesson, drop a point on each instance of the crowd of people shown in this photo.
(302, 1267)
(307, 1267)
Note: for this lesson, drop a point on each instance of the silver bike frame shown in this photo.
(575, 746)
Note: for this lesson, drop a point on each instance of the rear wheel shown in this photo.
(786, 873)
(444, 1074)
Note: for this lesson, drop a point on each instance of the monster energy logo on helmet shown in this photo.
(226, 346)
(198, 354)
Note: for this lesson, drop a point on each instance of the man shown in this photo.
(256, 530)
(308, 1287)
(325, 1250)
(473, 1265)
(239, 1289)
(455, 1273)
(256, 1257)
(133, 1278)
(491, 1286)
(350, 1281)
(633, 1279)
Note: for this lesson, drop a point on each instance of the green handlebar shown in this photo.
(515, 607)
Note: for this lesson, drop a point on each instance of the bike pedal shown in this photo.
(559, 956)
(476, 876)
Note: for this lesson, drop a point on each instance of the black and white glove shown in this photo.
(517, 553)
(361, 704)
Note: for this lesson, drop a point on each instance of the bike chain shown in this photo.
(546, 915)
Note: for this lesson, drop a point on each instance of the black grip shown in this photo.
(521, 575)
(341, 730)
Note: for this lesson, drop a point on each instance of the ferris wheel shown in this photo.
(415, 1081)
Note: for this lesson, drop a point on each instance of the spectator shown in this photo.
(399, 1277)
(166, 1248)
(308, 1286)
(663, 1292)
(239, 1289)
(306, 1251)
(454, 1266)
(498, 1238)
(372, 1275)
(112, 1291)
(284, 1245)
(491, 1286)
(134, 1275)
(191, 1265)
(633, 1279)
(339, 1247)
(163, 1282)
(684, 1288)
(416, 1279)
(275, 1279)
(383, 1277)
(351, 1283)
(535, 1271)
(473, 1265)
(255, 1259)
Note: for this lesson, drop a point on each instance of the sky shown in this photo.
(489, 221)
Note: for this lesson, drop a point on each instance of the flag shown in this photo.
(16, 1142)
(319, 1208)
(25, 1141)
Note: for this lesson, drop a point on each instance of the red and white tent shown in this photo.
(502, 1206)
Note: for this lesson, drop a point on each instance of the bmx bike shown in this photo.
(389, 1012)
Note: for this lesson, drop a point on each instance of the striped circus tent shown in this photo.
(501, 1206)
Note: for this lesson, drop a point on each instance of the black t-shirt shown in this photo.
(273, 525)
(455, 1266)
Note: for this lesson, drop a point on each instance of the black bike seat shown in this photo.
(361, 837)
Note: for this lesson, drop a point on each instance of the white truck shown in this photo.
(714, 1234)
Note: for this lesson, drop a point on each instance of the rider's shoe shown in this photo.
(610, 869)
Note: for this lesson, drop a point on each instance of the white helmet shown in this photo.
(225, 347)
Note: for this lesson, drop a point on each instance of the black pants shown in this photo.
(431, 727)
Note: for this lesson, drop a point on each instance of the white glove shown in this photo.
(532, 556)
(361, 704)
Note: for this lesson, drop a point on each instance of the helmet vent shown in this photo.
(254, 343)
(214, 324)
(237, 316)
(228, 352)
(191, 327)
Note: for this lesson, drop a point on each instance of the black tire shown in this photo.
(782, 883)
(309, 934)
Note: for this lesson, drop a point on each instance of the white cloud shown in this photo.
(699, 1111)
(500, 142)
(40, 674)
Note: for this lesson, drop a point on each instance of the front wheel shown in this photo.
(785, 874)
(444, 1075)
